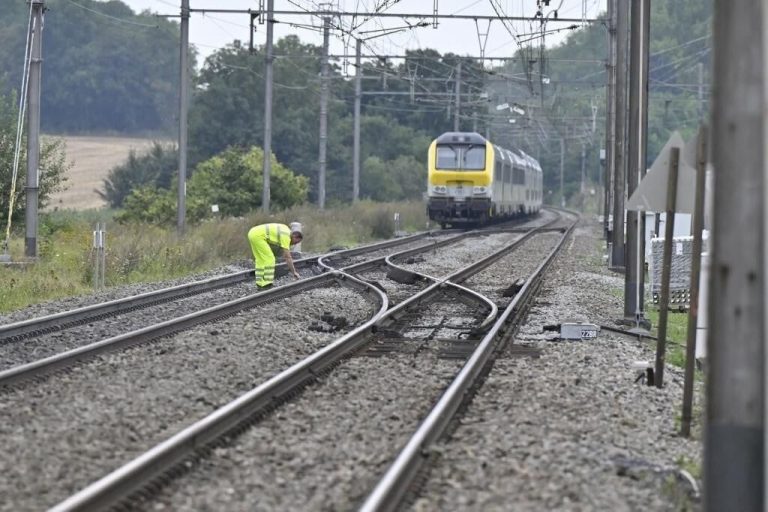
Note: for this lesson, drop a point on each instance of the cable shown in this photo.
(19, 125)
(114, 18)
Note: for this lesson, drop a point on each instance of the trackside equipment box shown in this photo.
(680, 271)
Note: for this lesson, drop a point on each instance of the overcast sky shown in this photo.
(210, 31)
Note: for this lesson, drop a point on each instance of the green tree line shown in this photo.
(105, 68)
(101, 74)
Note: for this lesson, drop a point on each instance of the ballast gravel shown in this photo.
(571, 430)
(76, 426)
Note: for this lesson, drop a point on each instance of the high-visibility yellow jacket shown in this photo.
(276, 235)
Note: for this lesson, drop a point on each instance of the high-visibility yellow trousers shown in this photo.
(263, 257)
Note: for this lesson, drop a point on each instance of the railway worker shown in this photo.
(267, 240)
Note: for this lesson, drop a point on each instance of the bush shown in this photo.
(157, 168)
(53, 165)
(232, 180)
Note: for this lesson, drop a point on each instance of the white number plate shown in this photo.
(588, 333)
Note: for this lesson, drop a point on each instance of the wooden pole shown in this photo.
(693, 310)
(669, 232)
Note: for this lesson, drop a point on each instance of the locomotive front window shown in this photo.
(469, 157)
(447, 157)
(474, 158)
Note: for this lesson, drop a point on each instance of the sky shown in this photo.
(211, 31)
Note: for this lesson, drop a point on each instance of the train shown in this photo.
(472, 181)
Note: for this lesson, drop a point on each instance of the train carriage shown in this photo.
(473, 181)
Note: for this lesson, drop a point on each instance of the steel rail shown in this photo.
(127, 479)
(77, 316)
(382, 260)
(356, 251)
(462, 274)
(452, 280)
(122, 482)
(47, 365)
(393, 487)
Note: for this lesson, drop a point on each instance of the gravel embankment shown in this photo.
(74, 427)
(571, 430)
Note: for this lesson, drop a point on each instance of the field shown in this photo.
(92, 159)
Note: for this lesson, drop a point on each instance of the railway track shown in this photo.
(277, 388)
(130, 320)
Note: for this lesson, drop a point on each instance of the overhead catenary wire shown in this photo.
(113, 18)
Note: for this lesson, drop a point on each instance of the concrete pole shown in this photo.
(583, 168)
(610, 117)
(181, 210)
(562, 172)
(638, 121)
(701, 91)
(457, 109)
(620, 169)
(734, 444)
(356, 137)
(33, 127)
(268, 79)
(323, 115)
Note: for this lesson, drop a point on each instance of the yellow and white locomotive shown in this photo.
(473, 181)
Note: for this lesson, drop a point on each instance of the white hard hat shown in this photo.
(296, 227)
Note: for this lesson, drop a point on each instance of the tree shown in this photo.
(156, 168)
(105, 67)
(150, 205)
(393, 180)
(53, 164)
(234, 181)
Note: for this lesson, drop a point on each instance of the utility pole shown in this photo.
(181, 210)
(33, 125)
(268, 79)
(620, 170)
(356, 137)
(734, 443)
(323, 114)
(457, 109)
(562, 172)
(638, 127)
(583, 168)
(610, 116)
(701, 90)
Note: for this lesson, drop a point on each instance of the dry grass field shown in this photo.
(92, 159)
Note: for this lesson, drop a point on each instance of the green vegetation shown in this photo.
(100, 74)
(677, 327)
(108, 69)
(144, 253)
(233, 181)
(53, 164)
(156, 168)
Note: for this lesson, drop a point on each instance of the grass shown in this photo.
(144, 253)
(677, 329)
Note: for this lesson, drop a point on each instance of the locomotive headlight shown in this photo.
(479, 190)
(439, 189)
